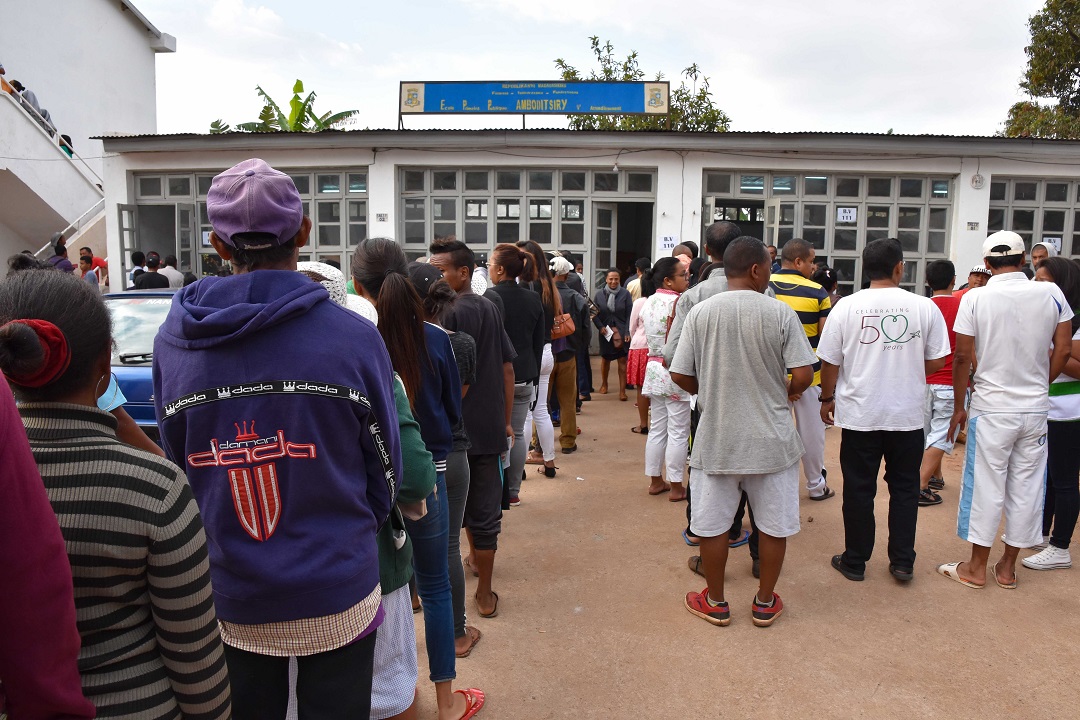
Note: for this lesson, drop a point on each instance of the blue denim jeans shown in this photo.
(430, 541)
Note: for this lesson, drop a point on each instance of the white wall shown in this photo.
(90, 64)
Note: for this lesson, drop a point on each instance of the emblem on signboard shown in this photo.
(412, 97)
(656, 98)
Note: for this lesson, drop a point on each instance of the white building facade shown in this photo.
(91, 64)
(612, 197)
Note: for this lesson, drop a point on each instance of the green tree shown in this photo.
(691, 106)
(301, 116)
(1053, 74)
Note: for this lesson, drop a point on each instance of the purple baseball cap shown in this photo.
(252, 197)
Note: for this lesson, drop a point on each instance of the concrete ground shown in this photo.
(591, 572)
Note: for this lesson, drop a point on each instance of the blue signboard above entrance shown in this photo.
(539, 97)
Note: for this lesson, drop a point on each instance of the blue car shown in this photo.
(136, 317)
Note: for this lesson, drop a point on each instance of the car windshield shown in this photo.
(135, 324)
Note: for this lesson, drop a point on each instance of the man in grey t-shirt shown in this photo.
(733, 341)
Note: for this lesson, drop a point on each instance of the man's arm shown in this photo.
(1062, 351)
(801, 378)
(961, 372)
(127, 431)
(686, 382)
(508, 392)
(829, 373)
(932, 366)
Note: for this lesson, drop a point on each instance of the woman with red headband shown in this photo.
(134, 539)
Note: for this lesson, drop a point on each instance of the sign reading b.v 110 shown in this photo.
(539, 97)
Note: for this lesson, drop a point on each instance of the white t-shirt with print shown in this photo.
(1012, 320)
(880, 338)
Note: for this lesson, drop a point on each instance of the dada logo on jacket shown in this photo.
(252, 473)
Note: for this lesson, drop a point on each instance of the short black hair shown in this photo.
(88, 259)
(743, 253)
(615, 270)
(796, 249)
(718, 236)
(170, 260)
(153, 261)
(255, 259)
(692, 246)
(460, 253)
(643, 264)
(138, 258)
(86, 251)
(826, 278)
(940, 274)
(25, 261)
(998, 262)
(880, 257)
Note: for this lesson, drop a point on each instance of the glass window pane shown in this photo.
(605, 182)
(718, 183)
(540, 179)
(816, 185)
(507, 209)
(1023, 220)
(1057, 192)
(573, 209)
(939, 189)
(787, 214)
(329, 235)
(877, 216)
(203, 182)
(357, 211)
(540, 232)
(936, 242)
(814, 214)
(815, 236)
(879, 187)
(573, 234)
(443, 180)
(179, 186)
(329, 183)
(604, 217)
(302, 183)
(476, 209)
(911, 187)
(639, 182)
(783, 235)
(909, 240)
(507, 232)
(995, 220)
(414, 209)
(443, 209)
(506, 180)
(329, 212)
(1053, 221)
(414, 181)
(358, 182)
(997, 190)
(783, 185)
(848, 187)
(909, 217)
(844, 239)
(573, 181)
(911, 269)
(937, 218)
(414, 232)
(204, 219)
(603, 237)
(540, 209)
(845, 269)
(357, 233)
(149, 187)
(476, 232)
(874, 234)
(1025, 190)
(752, 184)
(476, 180)
(444, 229)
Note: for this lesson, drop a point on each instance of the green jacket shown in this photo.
(417, 482)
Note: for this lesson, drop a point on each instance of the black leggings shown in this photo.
(1062, 481)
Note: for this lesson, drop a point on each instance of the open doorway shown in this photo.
(749, 215)
(622, 234)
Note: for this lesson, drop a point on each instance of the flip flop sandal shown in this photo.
(474, 700)
(474, 636)
(468, 566)
(639, 430)
(694, 563)
(743, 539)
(928, 497)
(1004, 586)
(547, 471)
(687, 540)
(666, 488)
(534, 459)
(949, 570)
(829, 492)
(494, 611)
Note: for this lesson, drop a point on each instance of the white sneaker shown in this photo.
(1052, 558)
(1041, 546)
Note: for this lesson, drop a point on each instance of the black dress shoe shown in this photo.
(567, 451)
(844, 570)
(904, 574)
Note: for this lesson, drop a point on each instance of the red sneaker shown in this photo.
(698, 604)
(765, 616)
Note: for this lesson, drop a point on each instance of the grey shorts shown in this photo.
(938, 415)
(774, 498)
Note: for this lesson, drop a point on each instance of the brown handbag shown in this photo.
(564, 323)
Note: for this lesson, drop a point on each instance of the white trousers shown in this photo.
(545, 433)
(1004, 470)
(812, 432)
(669, 436)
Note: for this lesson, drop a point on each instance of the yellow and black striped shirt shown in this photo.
(810, 302)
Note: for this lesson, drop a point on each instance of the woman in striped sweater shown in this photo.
(150, 643)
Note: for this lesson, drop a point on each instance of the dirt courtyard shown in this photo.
(591, 572)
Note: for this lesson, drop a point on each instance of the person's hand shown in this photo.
(510, 436)
(794, 398)
(827, 409)
(959, 420)
(626, 339)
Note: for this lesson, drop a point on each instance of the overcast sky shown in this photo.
(919, 66)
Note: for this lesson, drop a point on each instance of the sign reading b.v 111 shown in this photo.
(539, 97)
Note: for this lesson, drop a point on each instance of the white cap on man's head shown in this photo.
(1002, 244)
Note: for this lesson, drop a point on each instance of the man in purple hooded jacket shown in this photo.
(279, 405)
